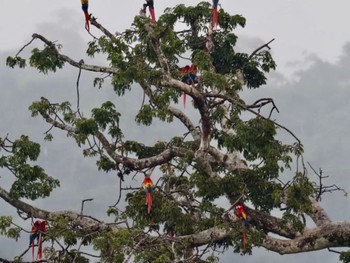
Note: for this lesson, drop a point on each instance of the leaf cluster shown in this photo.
(31, 181)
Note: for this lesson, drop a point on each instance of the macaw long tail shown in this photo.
(171, 234)
(33, 259)
(244, 239)
(215, 16)
(149, 202)
(191, 254)
(153, 15)
(87, 21)
(184, 98)
(40, 247)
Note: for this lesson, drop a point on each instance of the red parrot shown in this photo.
(193, 74)
(85, 7)
(150, 5)
(241, 214)
(215, 13)
(189, 76)
(148, 186)
(185, 71)
(38, 229)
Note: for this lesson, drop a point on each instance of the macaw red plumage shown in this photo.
(150, 5)
(215, 13)
(85, 7)
(242, 215)
(189, 76)
(148, 186)
(38, 229)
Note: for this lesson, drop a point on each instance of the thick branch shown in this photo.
(187, 122)
(318, 214)
(325, 236)
(86, 223)
(94, 22)
(231, 161)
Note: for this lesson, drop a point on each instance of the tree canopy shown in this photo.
(226, 184)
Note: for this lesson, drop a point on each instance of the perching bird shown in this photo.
(150, 5)
(38, 229)
(242, 215)
(185, 79)
(85, 7)
(215, 13)
(148, 186)
(189, 76)
(193, 74)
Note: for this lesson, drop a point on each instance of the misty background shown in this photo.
(311, 88)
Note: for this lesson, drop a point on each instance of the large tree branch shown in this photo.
(231, 161)
(87, 223)
(324, 236)
(194, 130)
(72, 62)
(318, 214)
(328, 235)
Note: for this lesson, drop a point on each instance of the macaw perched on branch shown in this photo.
(38, 229)
(242, 215)
(85, 7)
(148, 186)
(150, 5)
(215, 13)
(189, 76)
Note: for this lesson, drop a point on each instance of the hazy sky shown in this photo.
(311, 87)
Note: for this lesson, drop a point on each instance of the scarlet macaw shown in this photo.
(38, 229)
(189, 76)
(185, 79)
(85, 7)
(148, 186)
(150, 5)
(241, 214)
(193, 74)
(215, 13)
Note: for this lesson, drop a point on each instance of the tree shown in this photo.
(232, 157)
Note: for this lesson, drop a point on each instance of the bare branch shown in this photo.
(259, 48)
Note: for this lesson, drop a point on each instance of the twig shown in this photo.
(25, 46)
(78, 94)
(259, 48)
(82, 204)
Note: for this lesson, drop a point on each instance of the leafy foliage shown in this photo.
(231, 156)
(31, 180)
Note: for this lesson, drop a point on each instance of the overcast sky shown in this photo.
(311, 88)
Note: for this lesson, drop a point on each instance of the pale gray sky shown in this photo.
(300, 27)
(310, 87)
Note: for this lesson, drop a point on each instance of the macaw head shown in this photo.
(42, 226)
(193, 69)
(185, 69)
(148, 183)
